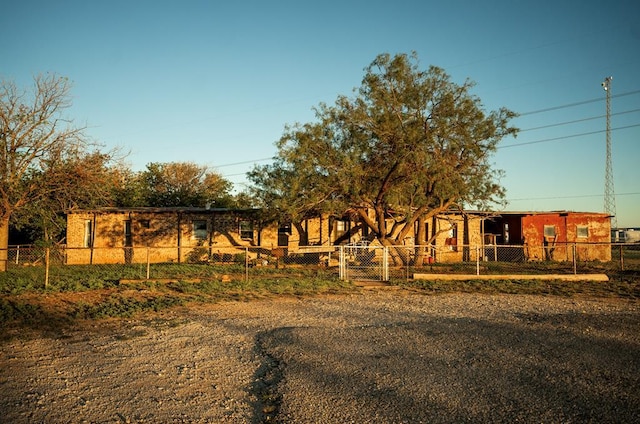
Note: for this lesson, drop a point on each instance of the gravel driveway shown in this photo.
(373, 357)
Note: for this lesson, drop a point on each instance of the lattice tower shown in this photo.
(609, 192)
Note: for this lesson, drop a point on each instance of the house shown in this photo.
(123, 235)
(178, 234)
(117, 235)
(625, 235)
(555, 235)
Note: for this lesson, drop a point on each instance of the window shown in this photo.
(200, 230)
(88, 236)
(549, 230)
(128, 239)
(144, 223)
(284, 231)
(246, 230)
(582, 231)
(285, 228)
(452, 240)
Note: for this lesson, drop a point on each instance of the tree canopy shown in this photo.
(42, 154)
(408, 145)
(82, 181)
(173, 184)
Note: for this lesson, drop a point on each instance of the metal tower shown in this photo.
(609, 192)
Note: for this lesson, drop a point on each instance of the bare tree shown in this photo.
(35, 137)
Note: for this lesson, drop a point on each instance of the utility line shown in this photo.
(244, 162)
(571, 197)
(528, 129)
(566, 137)
(578, 120)
(598, 99)
(546, 140)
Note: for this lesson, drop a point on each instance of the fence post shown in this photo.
(385, 263)
(148, 263)
(17, 255)
(408, 253)
(46, 268)
(477, 260)
(342, 264)
(575, 261)
(246, 265)
(621, 259)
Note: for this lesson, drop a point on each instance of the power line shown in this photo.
(566, 137)
(243, 162)
(582, 196)
(528, 129)
(598, 99)
(577, 120)
(546, 140)
(513, 145)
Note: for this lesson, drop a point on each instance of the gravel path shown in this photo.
(374, 357)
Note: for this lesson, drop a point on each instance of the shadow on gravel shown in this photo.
(265, 385)
(534, 368)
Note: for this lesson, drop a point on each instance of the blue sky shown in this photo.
(215, 82)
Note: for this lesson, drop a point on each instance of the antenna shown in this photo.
(609, 192)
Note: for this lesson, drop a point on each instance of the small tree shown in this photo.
(34, 138)
(84, 181)
(409, 145)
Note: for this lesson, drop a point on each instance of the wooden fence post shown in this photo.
(46, 267)
(148, 263)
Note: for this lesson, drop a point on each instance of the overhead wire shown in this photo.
(566, 137)
(598, 99)
(571, 197)
(533, 112)
(591, 118)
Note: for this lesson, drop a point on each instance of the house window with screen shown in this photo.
(200, 230)
(582, 231)
(452, 240)
(549, 230)
(246, 230)
(128, 238)
(88, 236)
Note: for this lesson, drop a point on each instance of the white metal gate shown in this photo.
(364, 262)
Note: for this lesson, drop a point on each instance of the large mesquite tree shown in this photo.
(409, 145)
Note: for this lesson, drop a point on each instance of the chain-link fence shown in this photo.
(94, 267)
(29, 266)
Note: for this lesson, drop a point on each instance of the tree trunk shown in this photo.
(4, 243)
(421, 241)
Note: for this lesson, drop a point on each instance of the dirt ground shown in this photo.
(375, 356)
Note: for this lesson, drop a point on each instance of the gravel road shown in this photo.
(371, 357)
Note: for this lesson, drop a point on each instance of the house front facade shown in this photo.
(122, 235)
(553, 236)
(125, 235)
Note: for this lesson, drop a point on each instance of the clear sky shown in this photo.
(215, 82)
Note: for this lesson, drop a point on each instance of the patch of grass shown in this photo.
(118, 305)
(94, 291)
(619, 289)
(20, 280)
(19, 310)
